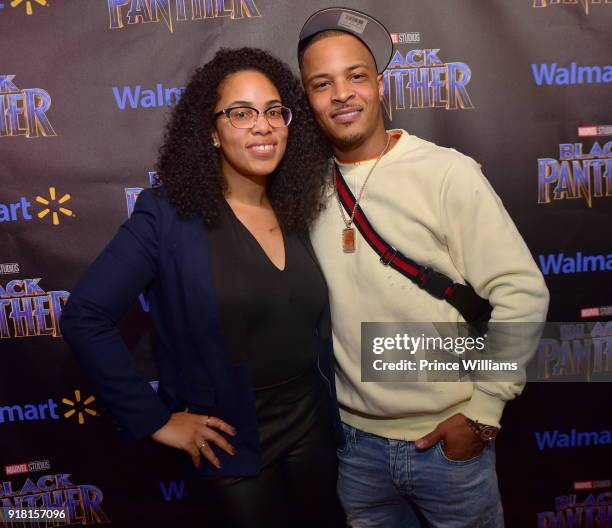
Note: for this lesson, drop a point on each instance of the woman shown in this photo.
(237, 298)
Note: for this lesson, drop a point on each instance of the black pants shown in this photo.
(297, 484)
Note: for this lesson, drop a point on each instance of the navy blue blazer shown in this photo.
(167, 256)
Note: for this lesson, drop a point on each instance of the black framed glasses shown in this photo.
(246, 116)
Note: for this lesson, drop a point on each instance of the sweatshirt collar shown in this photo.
(395, 132)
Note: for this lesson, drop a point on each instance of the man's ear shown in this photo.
(381, 87)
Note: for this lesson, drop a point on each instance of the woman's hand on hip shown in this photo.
(194, 433)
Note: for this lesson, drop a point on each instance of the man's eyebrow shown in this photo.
(348, 69)
(318, 76)
(355, 66)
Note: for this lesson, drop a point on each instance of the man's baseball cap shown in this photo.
(366, 28)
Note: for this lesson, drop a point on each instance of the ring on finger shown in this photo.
(208, 422)
(203, 444)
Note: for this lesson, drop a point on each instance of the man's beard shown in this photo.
(348, 142)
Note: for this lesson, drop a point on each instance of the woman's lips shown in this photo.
(262, 150)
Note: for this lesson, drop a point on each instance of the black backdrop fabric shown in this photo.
(522, 86)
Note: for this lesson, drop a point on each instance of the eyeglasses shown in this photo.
(246, 117)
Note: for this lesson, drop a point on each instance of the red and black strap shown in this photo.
(474, 309)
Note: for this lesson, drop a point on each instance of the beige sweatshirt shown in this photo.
(436, 207)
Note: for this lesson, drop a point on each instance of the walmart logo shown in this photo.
(28, 4)
(560, 263)
(173, 490)
(79, 408)
(138, 97)
(52, 198)
(53, 208)
(559, 439)
(48, 410)
(553, 74)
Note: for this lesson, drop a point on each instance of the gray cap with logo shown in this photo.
(366, 28)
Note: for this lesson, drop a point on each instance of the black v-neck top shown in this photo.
(268, 316)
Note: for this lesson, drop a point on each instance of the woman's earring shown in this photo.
(216, 143)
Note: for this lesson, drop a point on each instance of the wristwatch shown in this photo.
(482, 431)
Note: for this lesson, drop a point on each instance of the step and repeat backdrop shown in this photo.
(522, 86)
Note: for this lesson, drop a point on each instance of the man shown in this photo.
(413, 449)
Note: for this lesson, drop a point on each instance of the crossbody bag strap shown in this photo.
(474, 309)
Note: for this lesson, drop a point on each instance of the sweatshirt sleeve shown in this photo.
(490, 253)
(89, 321)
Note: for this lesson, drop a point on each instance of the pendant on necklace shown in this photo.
(348, 240)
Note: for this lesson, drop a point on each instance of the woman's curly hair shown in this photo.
(189, 166)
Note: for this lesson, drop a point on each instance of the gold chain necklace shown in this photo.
(348, 233)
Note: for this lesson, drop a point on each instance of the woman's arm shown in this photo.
(89, 324)
(89, 321)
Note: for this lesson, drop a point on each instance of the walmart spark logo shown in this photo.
(78, 407)
(28, 4)
(47, 210)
